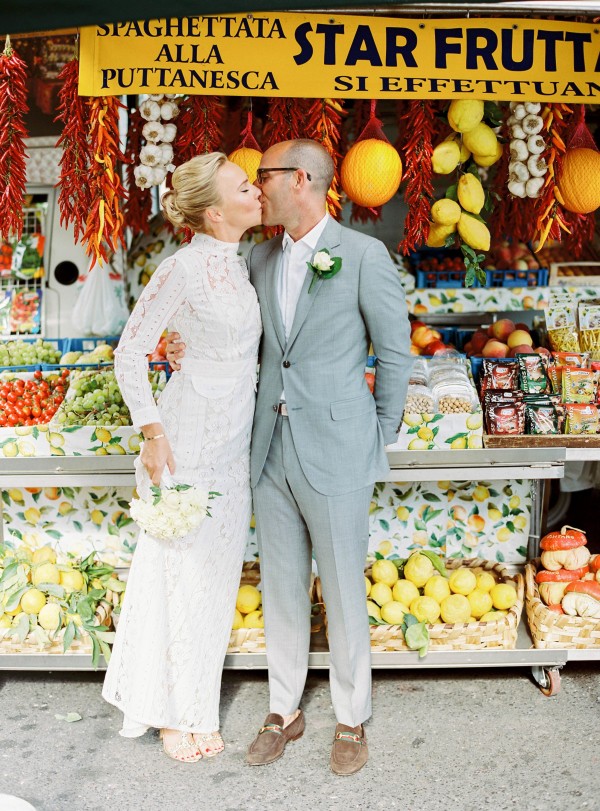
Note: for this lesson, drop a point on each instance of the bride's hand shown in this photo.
(157, 453)
(175, 350)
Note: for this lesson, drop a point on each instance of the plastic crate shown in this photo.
(437, 277)
(517, 278)
(88, 344)
(34, 367)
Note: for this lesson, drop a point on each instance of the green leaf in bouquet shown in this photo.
(115, 585)
(54, 589)
(84, 609)
(14, 598)
(181, 487)
(70, 717)
(416, 636)
(96, 594)
(105, 648)
(22, 628)
(96, 651)
(69, 636)
(8, 572)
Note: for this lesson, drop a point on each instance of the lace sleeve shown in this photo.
(161, 298)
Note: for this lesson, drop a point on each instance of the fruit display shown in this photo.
(569, 578)
(28, 353)
(31, 399)
(425, 340)
(248, 608)
(503, 338)
(102, 353)
(94, 398)
(45, 602)
(431, 594)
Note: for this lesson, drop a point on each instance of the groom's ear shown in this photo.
(301, 178)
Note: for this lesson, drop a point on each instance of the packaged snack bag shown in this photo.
(500, 373)
(533, 378)
(578, 385)
(581, 419)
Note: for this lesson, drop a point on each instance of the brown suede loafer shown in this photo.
(349, 752)
(272, 738)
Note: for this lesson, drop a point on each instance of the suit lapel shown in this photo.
(330, 239)
(272, 268)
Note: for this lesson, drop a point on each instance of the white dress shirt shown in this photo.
(292, 273)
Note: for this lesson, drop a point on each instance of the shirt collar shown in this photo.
(310, 239)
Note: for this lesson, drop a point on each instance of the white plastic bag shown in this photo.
(99, 309)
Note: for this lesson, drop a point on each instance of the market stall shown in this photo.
(496, 406)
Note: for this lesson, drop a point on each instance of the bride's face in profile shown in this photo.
(240, 204)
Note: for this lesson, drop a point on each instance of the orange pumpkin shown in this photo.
(567, 538)
(371, 172)
(248, 159)
(579, 180)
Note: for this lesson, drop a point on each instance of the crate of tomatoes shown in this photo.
(438, 267)
(31, 398)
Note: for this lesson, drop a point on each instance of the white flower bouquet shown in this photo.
(170, 513)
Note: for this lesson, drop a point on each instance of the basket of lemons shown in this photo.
(423, 603)
(248, 626)
(56, 607)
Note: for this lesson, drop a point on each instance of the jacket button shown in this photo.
(274, 408)
(286, 364)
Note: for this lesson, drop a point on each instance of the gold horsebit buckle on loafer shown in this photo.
(271, 728)
(349, 736)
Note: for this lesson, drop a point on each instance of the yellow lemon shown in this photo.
(368, 585)
(438, 235)
(475, 441)
(10, 449)
(462, 581)
(464, 152)
(475, 233)
(101, 451)
(445, 157)
(402, 513)
(51, 493)
(514, 502)
(45, 554)
(412, 420)
(384, 548)
(65, 507)
(480, 602)
(520, 521)
(384, 571)
(116, 450)
(418, 445)
(470, 192)
(405, 591)
(489, 160)
(485, 581)
(455, 608)
(425, 609)
(33, 601)
(503, 596)
(491, 616)
(104, 435)
(494, 514)
(248, 599)
(465, 114)
(481, 493)
(475, 421)
(56, 451)
(373, 507)
(460, 443)
(45, 573)
(32, 515)
(437, 587)
(97, 517)
(73, 618)
(425, 433)
(373, 610)
(254, 620)
(392, 613)
(56, 440)
(418, 569)
(445, 212)
(481, 140)
(5, 621)
(380, 593)
(49, 617)
(503, 534)
(72, 580)
(238, 621)
(15, 495)
(133, 443)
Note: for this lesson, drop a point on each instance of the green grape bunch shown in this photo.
(26, 353)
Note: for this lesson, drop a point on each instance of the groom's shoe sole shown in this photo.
(269, 745)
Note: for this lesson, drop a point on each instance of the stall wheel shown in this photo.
(547, 679)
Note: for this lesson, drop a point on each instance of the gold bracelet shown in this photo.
(158, 436)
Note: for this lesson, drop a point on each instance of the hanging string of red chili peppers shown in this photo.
(138, 206)
(74, 199)
(324, 119)
(198, 127)
(285, 120)
(13, 107)
(419, 125)
(512, 215)
(104, 224)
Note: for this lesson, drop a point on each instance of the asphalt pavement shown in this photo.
(439, 740)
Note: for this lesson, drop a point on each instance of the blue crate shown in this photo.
(34, 367)
(437, 278)
(517, 278)
(53, 367)
(88, 344)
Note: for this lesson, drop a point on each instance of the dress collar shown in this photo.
(209, 243)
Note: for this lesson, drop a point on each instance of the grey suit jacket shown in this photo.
(339, 428)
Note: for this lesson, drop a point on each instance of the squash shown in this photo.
(567, 538)
(371, 172)
(248, 159)
(579, 180)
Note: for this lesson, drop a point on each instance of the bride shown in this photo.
(167, 660)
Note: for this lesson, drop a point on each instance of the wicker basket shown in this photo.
(501, 633)
(551, 630)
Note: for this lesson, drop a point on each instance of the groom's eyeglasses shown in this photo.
(262, 174)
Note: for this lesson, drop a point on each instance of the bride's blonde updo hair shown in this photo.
(194, 190)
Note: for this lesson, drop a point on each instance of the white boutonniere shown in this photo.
(324, 266)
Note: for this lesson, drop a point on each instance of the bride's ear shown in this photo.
(213, 215)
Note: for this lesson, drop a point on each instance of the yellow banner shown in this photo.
(344, 56)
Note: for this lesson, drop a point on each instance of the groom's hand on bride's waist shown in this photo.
(175, 350)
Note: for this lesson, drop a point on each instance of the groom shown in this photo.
(318, 439)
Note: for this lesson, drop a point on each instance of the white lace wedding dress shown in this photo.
(165, 669)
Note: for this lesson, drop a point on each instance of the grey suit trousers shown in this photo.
(292, 520)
